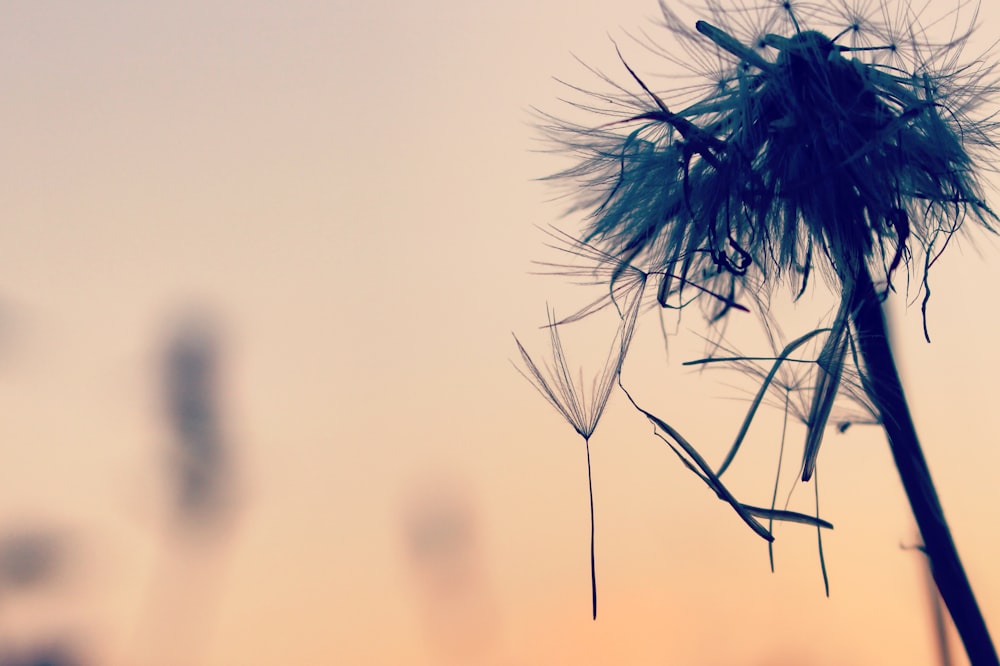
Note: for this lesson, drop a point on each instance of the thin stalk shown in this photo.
(883, 385)
(593, 568)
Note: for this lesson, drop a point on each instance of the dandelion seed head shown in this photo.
(829, 137)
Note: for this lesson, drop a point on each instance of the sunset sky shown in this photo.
(344, 198)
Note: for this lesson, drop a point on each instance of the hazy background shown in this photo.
(259, 267)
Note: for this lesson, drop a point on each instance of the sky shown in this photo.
(322, 217)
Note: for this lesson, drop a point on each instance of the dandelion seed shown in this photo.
(556, 384)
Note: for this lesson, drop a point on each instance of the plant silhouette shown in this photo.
(841, 139)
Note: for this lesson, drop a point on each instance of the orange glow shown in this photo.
(346, 190)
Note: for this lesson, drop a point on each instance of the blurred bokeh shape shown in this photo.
(187, 580)
(444, 552)
(199, 458)
(7, 325)
(37, 611)
(441, 540)
(30, 558)
(53, 654)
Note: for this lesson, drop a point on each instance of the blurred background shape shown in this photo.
(54, 654)
(443, 546)
(34, 622)
(188, 576)
(29, 558)
(199, 467)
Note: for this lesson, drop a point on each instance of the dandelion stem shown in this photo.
(593, 567)
(883, 385)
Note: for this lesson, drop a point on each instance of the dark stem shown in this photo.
(883, 385)
(940, 620)
(593, 569)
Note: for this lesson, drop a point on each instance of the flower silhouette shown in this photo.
(842, 138)
(801, 153)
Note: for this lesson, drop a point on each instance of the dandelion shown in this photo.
(835, 139)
